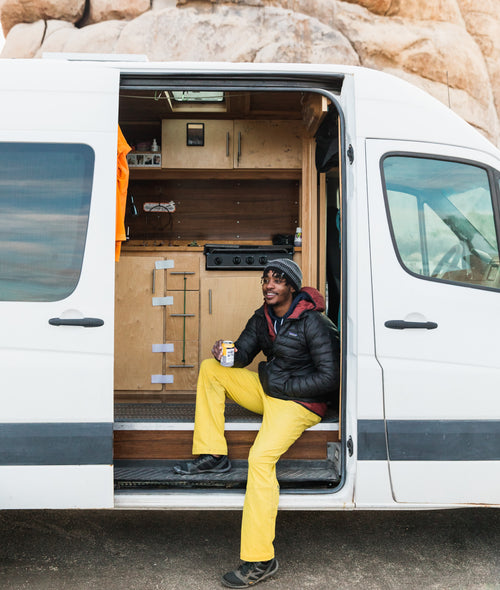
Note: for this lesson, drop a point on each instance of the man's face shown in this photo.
(275, 290)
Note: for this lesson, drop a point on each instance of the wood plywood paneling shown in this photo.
(212, 210)
(138, 324)
(177, 444)
(182, 364)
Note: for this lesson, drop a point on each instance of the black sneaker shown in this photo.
(204, 464)
(250, 573)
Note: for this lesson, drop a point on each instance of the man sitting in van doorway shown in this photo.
(290, 391)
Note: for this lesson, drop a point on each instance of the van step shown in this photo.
(164, 431)
(160, 474)
(174, 412)
(129, 415)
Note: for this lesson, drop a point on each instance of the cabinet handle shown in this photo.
(182, 272)
(210, 301)
(181, 366)
(154, 280)
(239, 146)
(227, 144)
(182, 315)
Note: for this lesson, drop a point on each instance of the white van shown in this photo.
(398, 201)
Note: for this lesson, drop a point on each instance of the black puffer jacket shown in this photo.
(302, 359)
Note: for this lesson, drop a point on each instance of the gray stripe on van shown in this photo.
(56, 444)
(430, 440)
(371, 440)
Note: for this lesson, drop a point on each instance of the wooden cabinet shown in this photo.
(228, 300)
(243, 144)
(138, 324)
(216, 151)
(169, 314)
(157, 322)
(268, 144)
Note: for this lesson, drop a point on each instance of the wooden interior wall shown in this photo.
(214, 209)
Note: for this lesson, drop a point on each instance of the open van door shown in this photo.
(58, 141)
(434, 228)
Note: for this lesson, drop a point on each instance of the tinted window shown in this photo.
(442, 219)
(45, 194)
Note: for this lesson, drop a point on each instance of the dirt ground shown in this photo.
(170, 550)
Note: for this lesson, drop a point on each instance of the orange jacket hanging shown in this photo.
(122, 174)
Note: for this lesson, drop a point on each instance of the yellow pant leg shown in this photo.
(214, 384)
(283, 423)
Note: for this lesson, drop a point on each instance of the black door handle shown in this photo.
(85, 322)
(403, 325)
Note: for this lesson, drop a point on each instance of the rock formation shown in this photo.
(450, 48)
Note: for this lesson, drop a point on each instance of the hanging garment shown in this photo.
(122, 174)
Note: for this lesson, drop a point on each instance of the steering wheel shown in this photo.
(452, 259)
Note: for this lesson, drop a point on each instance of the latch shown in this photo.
(350, 154)
(350, 446)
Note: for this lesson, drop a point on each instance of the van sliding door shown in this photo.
(58, 140)
(436, 298)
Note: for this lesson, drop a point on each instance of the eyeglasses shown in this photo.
(277, 278)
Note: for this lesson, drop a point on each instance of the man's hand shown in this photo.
(217, 350)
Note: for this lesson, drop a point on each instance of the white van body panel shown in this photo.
(63, 375)
(55, 486)
(56, 389)
(440, 385)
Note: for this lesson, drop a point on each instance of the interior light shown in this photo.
(196, 96)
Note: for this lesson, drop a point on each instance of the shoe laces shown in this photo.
(251, 566)
(246, 567)
(201, 459)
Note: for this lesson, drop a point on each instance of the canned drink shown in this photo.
(227, 358)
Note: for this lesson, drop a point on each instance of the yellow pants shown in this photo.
(282, 424)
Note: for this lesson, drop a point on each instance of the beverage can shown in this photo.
(227, 358)
(297, 241)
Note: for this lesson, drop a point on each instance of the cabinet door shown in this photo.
(268, 144)
(216, 151)
(184, 272)
(227, 302)
(182, 365)
(182, 315)
(138, 324)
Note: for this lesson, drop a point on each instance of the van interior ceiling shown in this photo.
(219, 182)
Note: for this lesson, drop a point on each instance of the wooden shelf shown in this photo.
(206, 174)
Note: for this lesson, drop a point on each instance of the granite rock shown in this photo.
(450, 48)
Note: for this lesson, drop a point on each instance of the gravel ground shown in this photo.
(170, 550)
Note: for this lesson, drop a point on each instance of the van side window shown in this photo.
(45, 192)
(442, 220)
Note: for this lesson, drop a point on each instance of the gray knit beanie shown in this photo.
(289, 268)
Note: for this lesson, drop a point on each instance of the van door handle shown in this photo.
(85, 322)
(404, 325)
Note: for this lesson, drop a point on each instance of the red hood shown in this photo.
(312, 300)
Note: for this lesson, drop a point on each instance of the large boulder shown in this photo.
(14, 12)
(25, 39)
(229, 33)
(103, 10)
(450, 48)
(444, 10)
